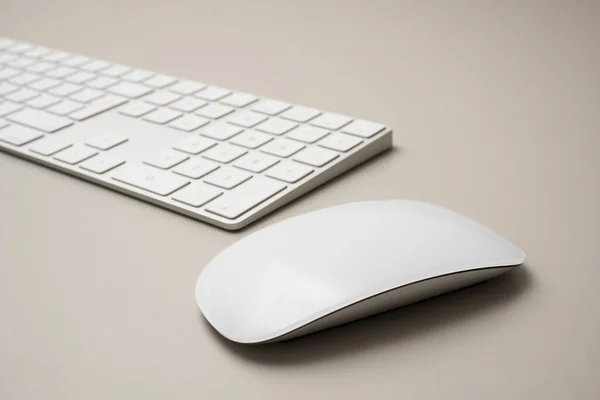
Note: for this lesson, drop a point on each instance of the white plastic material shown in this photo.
(165, 123)
(285, 277)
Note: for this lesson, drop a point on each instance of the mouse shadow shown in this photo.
(388, 328)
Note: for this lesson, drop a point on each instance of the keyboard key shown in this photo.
(331, 121)
(6, 88)
(195, 145)
(136, 108)
(138, 75)
(49, 145)
(161, 97)
(75, 61)
(98, 106)
(197, 194)
(149, 178)
(128, 89)
(109, 100)
(39, 120)
(44, 84)
(214, 111)
(3, 123)
(43, 101)
(162, 116)
(25, 78)
(5, 58)
(102, 82)
(95, 66)
(22, 62)
(7, 107)
(37, 52)
(276, 126)
(227, 177)
(300, 114)
(220, 131)
(271, 107)
(364, 129)
(289, 171)
(57, 56)
(75, 154)
(102, 163)
(315, 156)
(239, 99)
(251, 139)
(340, 142)
(188, 104)
(212, 93)
(65, 89)
(80, 77)
(224, 153)
(22, 95)
(189, 123)
(246, 119)
(160, 81)
(20, 48)
(282, 147)
(195, 168)
(252, 193)
(307, 134)
(60, 72)
(9, 60)
(41, 67)
(166, 159)
(186, 87)
(256, 162)
(65, 107)
(86, 95)
(106, 141)
(116, 70)
(6, 43)
(7, 73)
(18, 135)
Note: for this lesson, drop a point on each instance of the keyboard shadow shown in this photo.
(389, 328)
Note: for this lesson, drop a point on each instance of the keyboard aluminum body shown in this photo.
(217, 155)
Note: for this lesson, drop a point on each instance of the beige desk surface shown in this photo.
(496, 114)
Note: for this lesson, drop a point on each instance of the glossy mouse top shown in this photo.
(287, 275)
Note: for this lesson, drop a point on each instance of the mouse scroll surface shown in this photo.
(285, 276)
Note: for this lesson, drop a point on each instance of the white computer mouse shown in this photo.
(342, 263)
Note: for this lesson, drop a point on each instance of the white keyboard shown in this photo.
(223, 157)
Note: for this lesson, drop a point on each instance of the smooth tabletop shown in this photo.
(496, 114)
